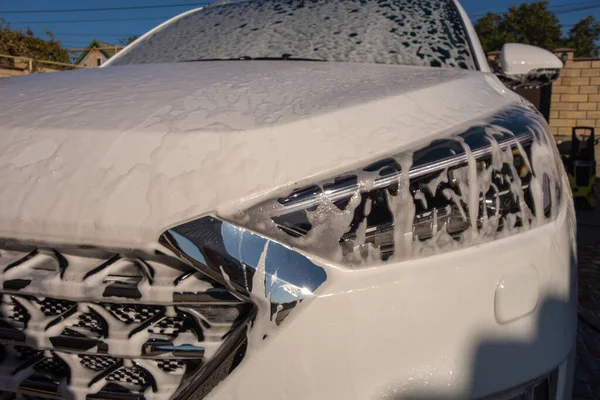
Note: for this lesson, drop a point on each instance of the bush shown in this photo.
(25, 44)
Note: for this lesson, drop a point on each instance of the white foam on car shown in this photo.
(330, 223)
(149, 146)
(400, 32)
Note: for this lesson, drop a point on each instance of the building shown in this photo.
(96, 54)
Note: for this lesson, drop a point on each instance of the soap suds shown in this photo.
(392, 32)
(181, 168)
(65, 294)
(477, 210)
(263, 325)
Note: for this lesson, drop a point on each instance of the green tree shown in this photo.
(128, 41)
(26, 44)
(490, 29)
(529, 23)
(583, 37)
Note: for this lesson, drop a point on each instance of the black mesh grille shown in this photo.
(170, 365)
(56, 307)
(27, 354)
(168, 326)
(97, 363)
(134, 375)
(134, 313)
(109, 342)
(90, 322)
(17, 313)
(53, 366)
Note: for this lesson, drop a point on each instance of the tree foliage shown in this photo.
(127, 41)
(535, 24)
(491, 32)
(583, 37)
(26, 44)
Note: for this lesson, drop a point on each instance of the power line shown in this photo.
(574, 4)
(124, 35)
(578, 7)
(583, 5)
(551, 7)
(202, 3)
(76, 21)
(94, 34)
(574, 9)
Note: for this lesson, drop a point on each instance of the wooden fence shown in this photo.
(18, 65)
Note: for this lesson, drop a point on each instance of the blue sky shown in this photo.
(110, 26)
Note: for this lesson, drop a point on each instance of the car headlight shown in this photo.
(495, 179)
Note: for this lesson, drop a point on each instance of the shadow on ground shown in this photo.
(587, 372)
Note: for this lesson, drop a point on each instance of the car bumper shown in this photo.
(466, 324)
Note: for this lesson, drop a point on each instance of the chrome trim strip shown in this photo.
(181, 351)
(347, 190)
(231, 255)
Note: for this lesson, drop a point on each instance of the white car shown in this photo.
(218, 213)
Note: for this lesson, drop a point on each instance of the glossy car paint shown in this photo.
(520, 59)
(428, 328)
(147, 147)
(114, 157)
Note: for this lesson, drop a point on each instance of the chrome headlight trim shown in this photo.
(233, 256)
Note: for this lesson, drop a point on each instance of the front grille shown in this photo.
(18, 396)
(97, 363)
(56, 307)
(16, 312)
(132, 375)
(170, 365)
(88, 324)
(52, 365)
(133, 313)
(168, 326)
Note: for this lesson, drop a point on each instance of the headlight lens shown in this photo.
(496, 179)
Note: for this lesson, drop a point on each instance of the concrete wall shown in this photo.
(576, 95)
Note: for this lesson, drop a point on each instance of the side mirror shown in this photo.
(522, 65)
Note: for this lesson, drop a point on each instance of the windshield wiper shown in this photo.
(284, 57)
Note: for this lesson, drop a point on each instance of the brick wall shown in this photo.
(576, 95)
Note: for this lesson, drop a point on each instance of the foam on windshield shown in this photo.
(407, 32)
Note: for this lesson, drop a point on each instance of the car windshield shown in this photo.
(404, 32)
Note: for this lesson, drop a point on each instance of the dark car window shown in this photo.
(405, 32)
